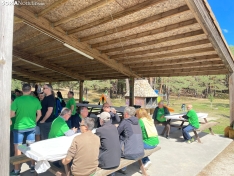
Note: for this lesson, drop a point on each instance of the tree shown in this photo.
(211, 98)
(16, 84)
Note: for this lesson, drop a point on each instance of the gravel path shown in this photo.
(222, 165)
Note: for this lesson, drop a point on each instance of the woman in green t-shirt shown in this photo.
(149, 133)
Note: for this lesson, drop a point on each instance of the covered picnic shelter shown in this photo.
(76, 40)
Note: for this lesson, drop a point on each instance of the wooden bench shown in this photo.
(123, 163)
(204, 126)
(23, 159)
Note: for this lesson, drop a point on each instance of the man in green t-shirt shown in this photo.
(193, 123)
(159, 118)
(59, 126)
(27, 111)
(71, 104)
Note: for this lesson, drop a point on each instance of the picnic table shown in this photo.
(204, 124)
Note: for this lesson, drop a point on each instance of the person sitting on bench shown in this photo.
(149, 133)
(59, 126)
(130, 136)
(109, 152)
(115, 119)
(159, 118)
(193, 123)
(84, 150)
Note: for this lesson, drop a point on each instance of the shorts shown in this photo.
(20, 134)
(38, 131)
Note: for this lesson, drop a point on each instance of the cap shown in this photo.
(105, 116)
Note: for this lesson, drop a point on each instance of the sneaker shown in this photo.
(167, 137)
(192, 140)
(13, 173)
(122, 171)
(188, 142)
(147, 165)
(32, 169)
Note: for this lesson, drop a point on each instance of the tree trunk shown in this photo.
(127, 85)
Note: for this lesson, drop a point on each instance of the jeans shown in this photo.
(186, 130)
(19, 136)
(146, 159)
(45, 129)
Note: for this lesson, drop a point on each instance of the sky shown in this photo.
(224, 13)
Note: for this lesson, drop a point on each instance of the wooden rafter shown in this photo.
(205, 58)
(147, 33)
(117, 15)
(217, 72)
(157, 41)
(182, 66)
(18, 26)
(82, 12)
(66, 53)
(50, 66)
(167, 55)
(141, 22)
(21, 78)
(162, 49)
(31, 74)
(45, 26)
(37, 44)
(51, 7)
(17, 20)
(26, 38)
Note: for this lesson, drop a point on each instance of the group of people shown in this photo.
(115, 138)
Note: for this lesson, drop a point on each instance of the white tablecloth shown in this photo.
(176, 116)
(48, 150)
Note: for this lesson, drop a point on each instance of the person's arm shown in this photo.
(117, 118)
(38, 115)
(12, 114)
(71, 153)
(185, 116)
(121, 127)
(72, 107)
(155, 113)
(71, 132)
(166, 111)
(47, 115)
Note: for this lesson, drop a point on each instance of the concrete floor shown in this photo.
(176, 157)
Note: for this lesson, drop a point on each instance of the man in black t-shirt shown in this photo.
(47, 110)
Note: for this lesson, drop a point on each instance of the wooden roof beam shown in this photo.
(43, 51)
(141, 22)
(31, 74)
(82, 12)
(117, 15)
(167, 55)
(147, 33)
(51, 7)
(44, 25)
(26, 38)
(205, 58)
(21, 78)
(162, 49)
(50, 66)
(157, 41)
(66, 53)
(217, 72)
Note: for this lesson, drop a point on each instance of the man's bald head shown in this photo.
(189, 107)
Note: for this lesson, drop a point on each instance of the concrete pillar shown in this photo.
(231, 97)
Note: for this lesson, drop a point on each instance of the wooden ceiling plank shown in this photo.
(82, 12)
(51, 66)
(21, 78)
(44, 25)
(51, 7)
(26, 38)
(37, 44)
(48, 50)
(162, 49)
(117, 15)
(135, 24)
(66, 53)
(167, 55)
(206, 58)
(157, 41)
(147, 33)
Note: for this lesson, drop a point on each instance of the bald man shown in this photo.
(192, 118)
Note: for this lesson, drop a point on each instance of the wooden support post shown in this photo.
(231, 97)
(6, 40)
(81, 91)
(131, 91)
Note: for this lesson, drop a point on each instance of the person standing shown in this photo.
(27, 111)
(48, 104)
(192, 117)
(71, 104)
(115, 119)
